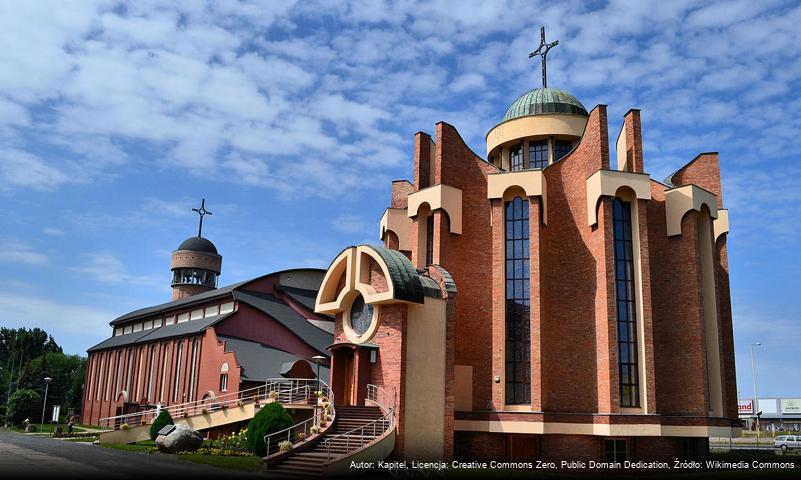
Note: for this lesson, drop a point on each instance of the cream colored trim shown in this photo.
(620, 149)
(530, 181)
(679, 201)
(608, 182)
(706, 245)
(442, 197)
(351, 262)
(535, 125)
(515, 408)
(721, 224)
(328, 300)
(604, 430)
(396, 221)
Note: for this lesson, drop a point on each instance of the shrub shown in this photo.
(160, 422)
(24, 404)
(270, 419)
(285, 446)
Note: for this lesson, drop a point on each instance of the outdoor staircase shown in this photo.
(312, 462)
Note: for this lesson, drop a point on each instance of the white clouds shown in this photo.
(468, 81)
(53, 232)
(20, 169)
(108, 268)
(53, 316)
(351, 224)
(13, 252)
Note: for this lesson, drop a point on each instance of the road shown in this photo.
(29, 456)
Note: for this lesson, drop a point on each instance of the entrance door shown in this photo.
(349, 381)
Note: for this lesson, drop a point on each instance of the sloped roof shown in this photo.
(161, 333)
(316, 337)
(260, 362)
(541, 101)
(305, 297)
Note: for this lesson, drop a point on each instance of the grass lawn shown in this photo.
(80, 439)
(50, 428)
(144, 446)
(248, 464)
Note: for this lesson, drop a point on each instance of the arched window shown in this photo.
(518, 304)
(224, 377)
(628, 364)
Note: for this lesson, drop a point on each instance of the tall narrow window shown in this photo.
(430, 239)
(538, 154)
(223, 382)
(518, 307)
(193, 371)
(626, 311)
(516, 158)
(177, 388)
(561, 148)
(150, 374)
(130, 371)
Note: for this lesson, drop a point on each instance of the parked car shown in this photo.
(787, 442)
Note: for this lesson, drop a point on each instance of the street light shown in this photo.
(318, 359)
(44, 406)
(756, 397)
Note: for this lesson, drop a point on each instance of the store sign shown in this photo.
(745, 406)
(791, 405)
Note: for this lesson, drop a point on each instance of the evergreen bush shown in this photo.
(24, 403)
(160, 422)
(271, 418)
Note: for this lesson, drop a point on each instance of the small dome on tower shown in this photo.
(198, 244)
(541, 101)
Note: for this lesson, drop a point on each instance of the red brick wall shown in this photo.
(726, 328)
(422, 160)
(400, 193)
(480, 446)
(680, 359)
(703, 171)
(632, 129)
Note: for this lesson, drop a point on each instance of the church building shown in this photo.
(540, 300)
(207, 342)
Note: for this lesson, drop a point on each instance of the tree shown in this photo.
(160, 422)
(270, 419)
(24, 404)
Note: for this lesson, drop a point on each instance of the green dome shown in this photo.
(542, 101)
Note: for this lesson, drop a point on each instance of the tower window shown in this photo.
(430, 239)
(518, 307)
(516, 158)
(561, 148)
(538, 154)
(626, 312)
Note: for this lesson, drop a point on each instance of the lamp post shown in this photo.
(756, 397)
(318, 359)
(44, 406)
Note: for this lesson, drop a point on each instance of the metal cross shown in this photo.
(201, 211)
(542, 51)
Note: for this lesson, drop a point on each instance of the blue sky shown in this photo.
(292, 118)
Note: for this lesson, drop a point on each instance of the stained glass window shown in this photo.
(361, 316)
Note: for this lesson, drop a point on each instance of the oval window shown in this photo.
(361, 316)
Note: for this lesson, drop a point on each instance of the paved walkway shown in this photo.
(29, 456)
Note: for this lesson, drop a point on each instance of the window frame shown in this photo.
(628, 361)
(517, 298)
(535, 147)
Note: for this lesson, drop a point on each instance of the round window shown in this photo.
(361, 316)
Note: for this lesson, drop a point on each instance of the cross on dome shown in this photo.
(542, 51)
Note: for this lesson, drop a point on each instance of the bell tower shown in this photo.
(195, 265)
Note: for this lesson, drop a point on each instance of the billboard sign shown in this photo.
(745, 406)
(791, 405)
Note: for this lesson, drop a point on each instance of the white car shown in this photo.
(787, 442)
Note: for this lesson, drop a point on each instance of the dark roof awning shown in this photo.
(353, 346)
(260, 362)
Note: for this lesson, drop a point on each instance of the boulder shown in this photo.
(181, 439)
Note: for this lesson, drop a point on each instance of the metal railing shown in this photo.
(282, 390)
(300, 432)
(355, 439)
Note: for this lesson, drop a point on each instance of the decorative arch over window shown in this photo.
(397, 221)
(608, 182)
(532, 182)
(679, 201)
(438, 197)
